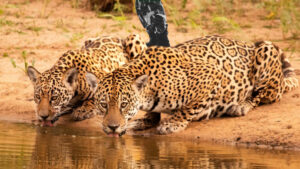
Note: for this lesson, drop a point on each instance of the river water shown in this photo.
(28, 146)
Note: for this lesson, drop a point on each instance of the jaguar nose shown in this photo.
(44, 117)
(113, 127)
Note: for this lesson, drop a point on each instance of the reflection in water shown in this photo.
(26, 146)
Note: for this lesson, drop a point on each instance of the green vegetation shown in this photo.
(207, 13)
(24, 68)
(111, 16)
(5, 55)
(76, 37)
(117, 14)
(35, 29)
(5, 22)
(287, 11)
(75, 3)
(218, 14)
(1, 11)
(61, 25)
(45, 6)
(182, 22)
(223, 24)
(137, 28)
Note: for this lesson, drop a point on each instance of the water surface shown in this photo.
(28, 146)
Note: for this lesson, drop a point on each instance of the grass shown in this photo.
(271, 26)
(287, 12)
(224, 24)
(20, 13)
(182, 22)
(119, 8)
(206, 13)
(12, 30)
(5, 22)
(103, 27)
(117, 15)
(11, 6)
(76, 37)
(137, 28)
(75, 3)
(25, 61)
(35, 29)
(1, 11)
(246, 26)
(19, 31)
(293, 47)
(214, 15)
(61, 25)
(43, 11)
(5, 55)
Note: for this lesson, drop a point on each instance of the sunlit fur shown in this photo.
(199, 79)
(98, 56)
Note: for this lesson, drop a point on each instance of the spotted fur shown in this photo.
(71, 82)
(199, 79)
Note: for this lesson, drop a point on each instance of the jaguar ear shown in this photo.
(70, 78)
(92, 80)
(140, 83)
(32, 73)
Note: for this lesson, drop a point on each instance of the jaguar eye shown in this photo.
(54, 97)
(37, 97)
(104, 105)
(123, 105)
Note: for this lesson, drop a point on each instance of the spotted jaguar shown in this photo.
(199, 79)
(69, 85)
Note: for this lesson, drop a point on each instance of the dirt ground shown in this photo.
(44, 32)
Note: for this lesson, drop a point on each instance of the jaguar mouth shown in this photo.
(49, 123)
(117, 135)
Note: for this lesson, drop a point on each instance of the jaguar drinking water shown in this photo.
(199, 79)
(69, 85)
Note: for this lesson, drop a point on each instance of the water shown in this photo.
(27, 146)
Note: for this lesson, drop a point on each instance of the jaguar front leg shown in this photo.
(177, 122)
(150, 120)
(241, 109)
(86, 111)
